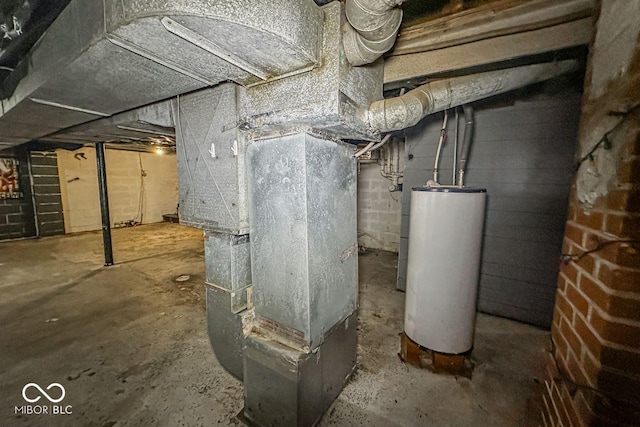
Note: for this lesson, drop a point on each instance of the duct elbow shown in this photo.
(360, 51)
(226, 334)
(401, 112)
(371, 29)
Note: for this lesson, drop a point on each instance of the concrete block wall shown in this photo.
(379, 211)
(16, 215)
(593, 371)
(156, 191)
(46, 193)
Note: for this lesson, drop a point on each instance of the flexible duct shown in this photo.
(407, 110)
(371, 30)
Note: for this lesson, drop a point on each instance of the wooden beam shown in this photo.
(488, 51)
(494, 19)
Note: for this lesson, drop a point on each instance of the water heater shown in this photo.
(445, 244)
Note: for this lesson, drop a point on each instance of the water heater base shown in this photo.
(441, 363)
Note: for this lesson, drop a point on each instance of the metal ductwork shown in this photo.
(371, 29)
(102, 57)
(263, 164)
(407, 110)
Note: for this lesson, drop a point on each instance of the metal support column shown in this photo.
(104, 204)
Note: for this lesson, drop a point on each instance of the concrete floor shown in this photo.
(129, 343)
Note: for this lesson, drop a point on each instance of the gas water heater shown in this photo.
(445, 244)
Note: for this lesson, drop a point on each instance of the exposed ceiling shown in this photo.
(419, 11)
(438, 38)
(103, 57)
(22, 23)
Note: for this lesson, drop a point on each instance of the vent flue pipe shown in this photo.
(371, 29)
(407, 110)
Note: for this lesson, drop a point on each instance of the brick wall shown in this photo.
(379, 211)
(593, 375)
(595, 365)
(16, 215)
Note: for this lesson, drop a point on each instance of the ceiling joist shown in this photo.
(498, 31)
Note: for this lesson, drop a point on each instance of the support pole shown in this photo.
(104, 204)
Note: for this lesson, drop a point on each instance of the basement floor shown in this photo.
(129, 343)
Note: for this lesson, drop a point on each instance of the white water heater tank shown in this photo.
(445, 243)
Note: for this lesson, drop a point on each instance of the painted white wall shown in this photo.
(79, 187)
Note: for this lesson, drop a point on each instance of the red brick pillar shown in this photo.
(593, 375)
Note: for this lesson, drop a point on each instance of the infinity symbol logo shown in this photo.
(43, 393)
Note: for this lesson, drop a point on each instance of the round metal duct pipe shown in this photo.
(371, 30)
(407, 110)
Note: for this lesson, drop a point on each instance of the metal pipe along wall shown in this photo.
(407, 110)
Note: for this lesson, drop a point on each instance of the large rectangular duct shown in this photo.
(228, 267)
(227, 261)
(247, 42)
(268, 159)
(289, 387)
(211, 160)
(302, 197)
(329, 100)
(212, 179)
(102, 57)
